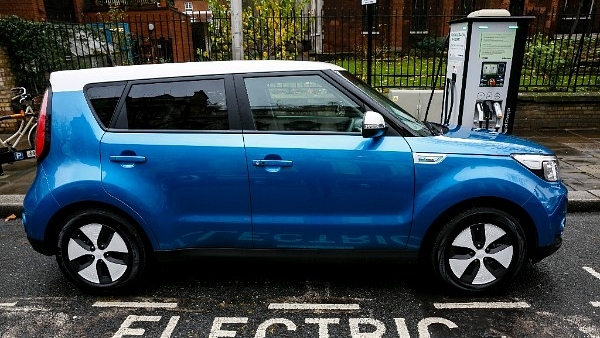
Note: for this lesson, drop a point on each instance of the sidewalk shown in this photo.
(577, 149)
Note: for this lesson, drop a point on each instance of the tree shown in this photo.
(272, 29)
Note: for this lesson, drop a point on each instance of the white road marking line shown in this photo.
(146, 305)
(304, 306)
(8, 304)
(595, 304)
(482, 305)
(592, 272)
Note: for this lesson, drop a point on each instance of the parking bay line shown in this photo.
(482, 305)
(145, 305)
(309, 306)
(8, 304)
(592, 272)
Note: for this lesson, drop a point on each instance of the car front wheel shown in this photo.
(479, 250)
(100, 252)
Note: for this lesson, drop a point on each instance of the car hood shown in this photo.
(476, 143)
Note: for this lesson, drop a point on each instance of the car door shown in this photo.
(175, 155)
(315, 182)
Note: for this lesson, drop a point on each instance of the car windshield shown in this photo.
(416, 126)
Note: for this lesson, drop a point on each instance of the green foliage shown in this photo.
(28, 45)
(36, 49)
(431, 44)
(548, 58)
(273, 29)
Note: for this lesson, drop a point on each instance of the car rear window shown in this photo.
(104, 101)
(178, 105)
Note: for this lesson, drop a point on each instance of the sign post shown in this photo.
(370, 6)
(237, 38)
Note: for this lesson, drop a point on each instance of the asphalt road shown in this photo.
(558, 297)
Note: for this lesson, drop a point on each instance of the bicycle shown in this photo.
(28, 119)
(10, 148)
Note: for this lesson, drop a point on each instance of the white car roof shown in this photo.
(75, 80)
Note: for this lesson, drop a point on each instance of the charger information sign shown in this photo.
(497, 46)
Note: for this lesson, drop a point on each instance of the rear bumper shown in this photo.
(40, 246)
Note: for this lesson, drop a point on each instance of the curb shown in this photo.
(583, 205)
(13, 204)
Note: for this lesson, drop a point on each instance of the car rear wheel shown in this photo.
(479, 250)
(100, 251)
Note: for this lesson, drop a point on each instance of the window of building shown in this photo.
(576, 16)
(189, 6)
(418, 21)
(366, 11)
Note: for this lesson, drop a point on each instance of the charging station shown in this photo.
(485, 57)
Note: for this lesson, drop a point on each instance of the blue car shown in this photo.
(138, 164)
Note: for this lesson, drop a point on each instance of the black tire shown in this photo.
(100, 252)
(479, 250)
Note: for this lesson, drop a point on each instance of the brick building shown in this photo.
(160, 32)
(404, 21)
(29, 9)
(399, 21)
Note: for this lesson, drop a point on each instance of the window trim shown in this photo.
(93, 110)
(119, 122)
(246, 109)
(329, 76)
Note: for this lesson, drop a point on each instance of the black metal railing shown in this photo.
(120, 2)
(562, 53)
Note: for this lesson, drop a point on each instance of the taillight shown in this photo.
(42, 139)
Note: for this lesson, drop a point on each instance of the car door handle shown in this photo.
(272, 163)
(127, 159)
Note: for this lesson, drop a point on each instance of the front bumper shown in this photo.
(543, 252)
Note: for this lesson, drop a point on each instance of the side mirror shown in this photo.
(373, 125)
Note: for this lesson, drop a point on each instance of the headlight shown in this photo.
(544, 166)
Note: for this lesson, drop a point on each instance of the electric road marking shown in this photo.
(304, 306)
(139, 305)
(482, 305)
(592, 272)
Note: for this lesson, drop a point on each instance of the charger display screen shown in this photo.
(490, 69)
(492, 74)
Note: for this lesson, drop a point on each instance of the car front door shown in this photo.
(175, 155)
(315, 182)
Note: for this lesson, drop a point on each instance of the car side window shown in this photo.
(104, 100)
(178, 105)
(301, 103)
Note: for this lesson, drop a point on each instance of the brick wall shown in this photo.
(558, 112)
(6, 83)
(167, 24)
(26, 9)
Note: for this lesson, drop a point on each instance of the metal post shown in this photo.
(237, 45)
(369, 42)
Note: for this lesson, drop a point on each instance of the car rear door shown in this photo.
(315, 182)
(175, 155)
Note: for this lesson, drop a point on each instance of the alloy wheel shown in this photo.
(98, 254)
(480, 254)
